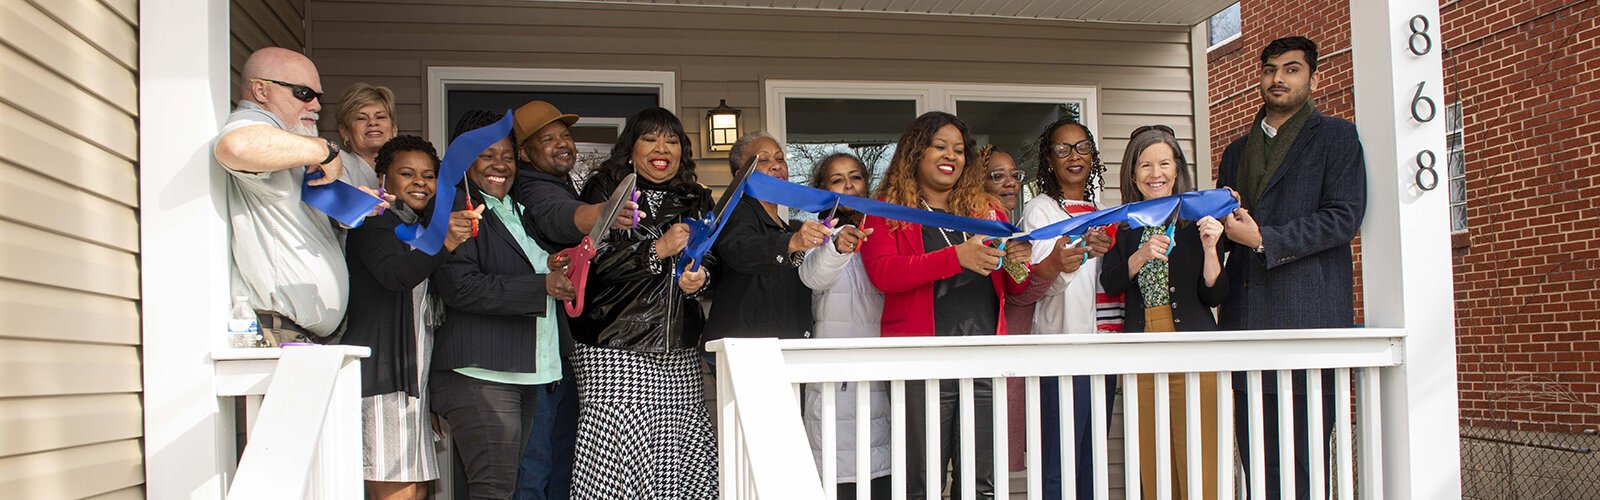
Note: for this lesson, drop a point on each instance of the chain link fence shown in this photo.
(1501, 459)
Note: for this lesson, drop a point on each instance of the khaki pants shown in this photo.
(1180, 435)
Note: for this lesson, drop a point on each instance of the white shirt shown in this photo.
(1271, 131)
(286, 255)
(1068, 306)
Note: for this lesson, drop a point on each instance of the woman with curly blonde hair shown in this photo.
(940, 282)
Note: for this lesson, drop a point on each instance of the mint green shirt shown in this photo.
(548, 351)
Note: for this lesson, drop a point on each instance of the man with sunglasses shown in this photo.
(1301, 183)
(287, 259)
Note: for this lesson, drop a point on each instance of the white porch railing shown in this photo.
(763, 442)
(303, 418)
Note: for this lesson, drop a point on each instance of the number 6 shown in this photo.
(1418, 98)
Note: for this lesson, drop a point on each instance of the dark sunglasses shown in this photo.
(1160, 128)
(999, 177)
(301, 92)
(1061, 149)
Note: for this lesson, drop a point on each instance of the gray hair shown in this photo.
(736, 155)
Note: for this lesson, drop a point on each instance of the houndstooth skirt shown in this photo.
(643, 430)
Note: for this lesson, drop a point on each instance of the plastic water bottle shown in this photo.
(242, 328)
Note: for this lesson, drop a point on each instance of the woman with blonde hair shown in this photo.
(366, 122)
(941, 282)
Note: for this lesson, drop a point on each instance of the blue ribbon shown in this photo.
(343, 202)
(457, 158)
(1190, 206)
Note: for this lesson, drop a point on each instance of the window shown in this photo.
(602, 98)
(1456, 144)
(1223, 27)
(817, 118)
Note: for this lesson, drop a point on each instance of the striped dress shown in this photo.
(397, 434)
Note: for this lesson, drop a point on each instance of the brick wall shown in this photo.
(1527, 75)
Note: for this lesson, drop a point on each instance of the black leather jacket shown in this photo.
(633, 300)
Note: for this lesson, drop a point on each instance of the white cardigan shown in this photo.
(1068, 306)
(845, 305)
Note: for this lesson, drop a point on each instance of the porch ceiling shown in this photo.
(1160, 12)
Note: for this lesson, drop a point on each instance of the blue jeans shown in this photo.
(546, 469)
(1050, 433)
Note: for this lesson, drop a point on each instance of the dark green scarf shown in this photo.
(1263, 155)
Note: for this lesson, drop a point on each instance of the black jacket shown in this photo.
(1192, 300)
(549, 201)
(759, 292)
(383, 272)
(493, 299)
(633, 298)
(1308, 213)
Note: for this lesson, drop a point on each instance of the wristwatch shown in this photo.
(1262, 248)
(333, 151)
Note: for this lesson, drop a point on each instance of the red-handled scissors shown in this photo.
(580, 256)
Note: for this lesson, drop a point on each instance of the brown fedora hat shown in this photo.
(535, 115)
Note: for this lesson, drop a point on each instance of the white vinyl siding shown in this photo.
(1143, 73)
(70, 376)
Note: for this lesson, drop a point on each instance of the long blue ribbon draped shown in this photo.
(1189, 206)
(457, 158)
(343, 202)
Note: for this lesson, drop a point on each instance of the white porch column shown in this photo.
(1406, 265)
(183, 95)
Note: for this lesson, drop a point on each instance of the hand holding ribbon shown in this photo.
(452, 170)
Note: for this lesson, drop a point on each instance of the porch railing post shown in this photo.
(1406, 263)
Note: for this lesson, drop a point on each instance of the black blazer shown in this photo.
(493, 300)
(1192, 300)
(383, 272)
(759, 292)
(1308, 213)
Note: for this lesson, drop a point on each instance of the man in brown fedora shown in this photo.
(545, 157)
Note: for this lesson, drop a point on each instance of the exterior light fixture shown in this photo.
(722, 127)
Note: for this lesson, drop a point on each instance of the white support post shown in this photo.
(1406, 265)
(183, 85)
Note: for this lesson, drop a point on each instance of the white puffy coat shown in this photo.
(845, 305)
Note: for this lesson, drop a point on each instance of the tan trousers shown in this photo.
(1180, 435)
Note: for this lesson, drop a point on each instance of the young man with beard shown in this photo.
(287, 259)
(1301, 182)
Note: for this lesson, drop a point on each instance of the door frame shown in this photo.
(443, 79)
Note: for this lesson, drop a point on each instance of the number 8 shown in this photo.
(1433, 175)
(1427, 42)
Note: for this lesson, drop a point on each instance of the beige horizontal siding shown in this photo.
(77, 472)
(257, 24)
(1143, 73)
(70, 376)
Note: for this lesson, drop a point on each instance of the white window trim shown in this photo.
(442, 79)
(929, 96)
(1225, 41)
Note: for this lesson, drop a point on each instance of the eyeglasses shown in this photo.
(1160, 128)
(301, 92)
(1062, 150)
(999, 177)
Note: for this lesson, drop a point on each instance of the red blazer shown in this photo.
(899, 266)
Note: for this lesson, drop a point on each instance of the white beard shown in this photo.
(300, 128)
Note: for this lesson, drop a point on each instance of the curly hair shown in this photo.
(650, 121)
(819, 173)
(400, 144)
(900, 181)
(1047, 172)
